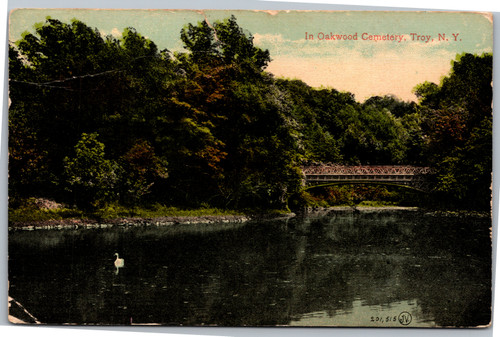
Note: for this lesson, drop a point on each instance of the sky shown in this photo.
(365, 53)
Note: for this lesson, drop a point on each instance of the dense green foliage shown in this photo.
(98, 120)
(457, 119)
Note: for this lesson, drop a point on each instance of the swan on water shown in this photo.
(119, 263)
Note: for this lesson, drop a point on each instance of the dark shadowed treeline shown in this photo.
(96, 120)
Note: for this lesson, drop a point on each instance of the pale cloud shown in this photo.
(116, 32)
(268, 38)
(386, 73)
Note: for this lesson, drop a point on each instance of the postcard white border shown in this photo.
(6, 329)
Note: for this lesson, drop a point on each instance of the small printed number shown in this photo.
(387, 319)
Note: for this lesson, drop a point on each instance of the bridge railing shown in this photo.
(391, 170)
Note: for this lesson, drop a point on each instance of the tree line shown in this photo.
(96, 119)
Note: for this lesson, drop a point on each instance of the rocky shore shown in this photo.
(159, 221)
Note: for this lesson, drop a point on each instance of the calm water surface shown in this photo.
(340, 269)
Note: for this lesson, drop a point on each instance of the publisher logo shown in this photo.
(404, 318)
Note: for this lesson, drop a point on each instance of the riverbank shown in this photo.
(360, 209)
(38, 213)
(143, 221)
(89, 223)
(318, 211)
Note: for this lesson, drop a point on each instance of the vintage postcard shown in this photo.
(250, 168)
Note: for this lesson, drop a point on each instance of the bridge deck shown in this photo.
(401, 175)
(365, 170)
(368, 177)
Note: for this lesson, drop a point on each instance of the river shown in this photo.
(383, 269)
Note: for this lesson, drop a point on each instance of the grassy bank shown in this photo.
(359, 196)
(31, 213)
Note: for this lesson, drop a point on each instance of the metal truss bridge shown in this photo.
(410, 176)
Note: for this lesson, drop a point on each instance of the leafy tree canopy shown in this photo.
(210, 125)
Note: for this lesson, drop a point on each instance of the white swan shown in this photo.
(119, 263)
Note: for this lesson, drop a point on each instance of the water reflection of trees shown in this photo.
(442, 262)
(261, 273)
